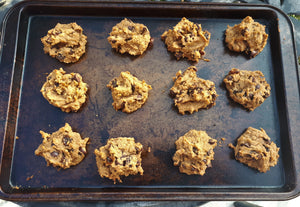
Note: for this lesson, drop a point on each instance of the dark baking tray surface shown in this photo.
(157, 124)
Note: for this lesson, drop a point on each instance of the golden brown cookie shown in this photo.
(63, 148)
(119, 157)
(65, 42)
(248, 88)
(187, 40)
(128, 92)
(130, 37)
(191, 93)
(194, 152)
(248, 36)
(255, 149)
(65, 91)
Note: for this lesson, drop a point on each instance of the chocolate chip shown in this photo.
(139, 97)
(266, 95)
(113, 41)
(109, 160)
(60, 57)
(137, 150)
(82, 150)
(206, 35)
(172, 94)
(131, 28)
(251, 96)
(267, 148)
(178, 55)
(57, 32)
(229, 78)
(66, 140)
(243, 32)
(76, 77)
(144, 30)
(114, 83)
(246, 144)
(71, 52)
(253, 54)
(123, 105)
(190, 91)
(267, 141)
(54, 154)
(195, 150)
(151, 42)
(211, 141)
(127, 39)
(209, 152)
(257, 86)
(132, 88)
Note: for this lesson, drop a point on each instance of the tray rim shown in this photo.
(135, 195)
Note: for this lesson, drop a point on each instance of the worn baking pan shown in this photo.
(157, 124)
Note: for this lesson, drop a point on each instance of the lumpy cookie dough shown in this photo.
(191, 93)
(63, 148)
(248, 88)
(194, 152)
(130, 37)
(65, 42)
(65, 91)
(128, 92)
(255, 149)
(119, 157)
(248, 36)
(187, 40)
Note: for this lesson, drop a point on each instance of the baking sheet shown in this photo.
(157, 124)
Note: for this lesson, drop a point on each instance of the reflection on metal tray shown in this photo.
(25, 176)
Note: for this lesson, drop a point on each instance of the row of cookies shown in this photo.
(122, 156)
(66, 42)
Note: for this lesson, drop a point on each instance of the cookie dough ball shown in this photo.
(191, 93)
(65, 42)
(248, 36)
(130, 37)
(187, 40)
(248, 88)
(194, 152)
(128, 92)
(255, 149)
(63, 148)
(65, 91)
(119, 157)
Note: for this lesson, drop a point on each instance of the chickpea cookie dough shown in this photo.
(63, 148)
(130, 37)
(194, 152)
(187, 40)
(128, 92)
(65, 91)
(248, 36)
(248, 88)
(255, 149)
(65, 42)
(119, 157)
(191, 93)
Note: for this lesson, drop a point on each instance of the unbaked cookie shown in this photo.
(128, 92)
(248, 88)
(65, 91)
(63, 148)
(191, 93)
(194, 152)
(255, 149)
(65, 42)
(119, 157)
(248, 36)
(187, 40)
(130, 37)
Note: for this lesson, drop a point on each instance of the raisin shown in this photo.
(211, 141)
(82, 150)
(251, 96)
(144, 30)
(172, 94)
(127, 39)
(257, 87)
(109, 160)
(178, 55)
(60, 57)
(114, 83)
(76, 77)
(195, 150)
(151, 42)
(253, 53)
(113, 41)
(132, 88)
(229, 78)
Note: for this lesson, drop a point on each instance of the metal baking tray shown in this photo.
(157, 124)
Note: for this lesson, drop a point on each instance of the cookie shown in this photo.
(65, 91)
(187, 40)
(255, 149)
(130, 37)
(128, 92)
(119, 157)
(65, 42)
(248, 88)
(63, 148)
(194, 152)
(191, 93)
(248, 36)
